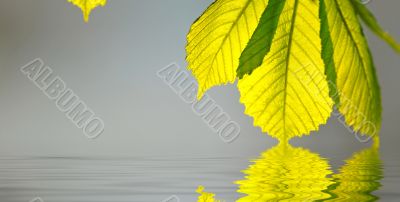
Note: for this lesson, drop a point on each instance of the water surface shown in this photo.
(282, 173)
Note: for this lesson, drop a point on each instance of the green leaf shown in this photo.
(294, 60)
(327, 54)
(288, 95)
(261, 41)
(370, 20)
(217, 39)
(356, 82)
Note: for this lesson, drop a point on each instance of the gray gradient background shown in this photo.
(111, 63)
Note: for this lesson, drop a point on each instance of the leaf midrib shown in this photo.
(287, 64)
(235, 22)
(354, 41)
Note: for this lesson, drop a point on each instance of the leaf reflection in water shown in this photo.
(286, 173)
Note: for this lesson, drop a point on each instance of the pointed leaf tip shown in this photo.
(288, 94)
(87, 6)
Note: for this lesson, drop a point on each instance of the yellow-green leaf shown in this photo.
(87, 6)
(217, 39)
(370, 20)
(288, 94)
(356, 82)
(261, 41)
